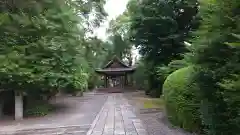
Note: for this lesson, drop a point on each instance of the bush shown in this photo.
(38, 108)
(231, 96)
(182, 102)
(163, 71)
(155, 93)
(220, 96)
(218, 76)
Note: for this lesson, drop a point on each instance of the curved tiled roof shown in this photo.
(115, 59)
(119, 67)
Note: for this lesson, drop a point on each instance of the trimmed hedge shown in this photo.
(182, 102)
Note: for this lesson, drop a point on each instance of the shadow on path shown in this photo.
(72, 112)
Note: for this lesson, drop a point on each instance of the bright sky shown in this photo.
(114, 8)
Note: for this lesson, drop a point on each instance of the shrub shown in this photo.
(182, 102)
(220, 95)
(155, 93)
(231, 96)
(219, 66)
(38, 108)
(163, 71)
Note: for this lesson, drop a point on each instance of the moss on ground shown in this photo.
(149, 103)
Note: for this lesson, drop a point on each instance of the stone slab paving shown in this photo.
(69, 130)
(108, 114)
(117, 118)
(75, 120)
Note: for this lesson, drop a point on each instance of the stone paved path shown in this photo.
(108, 114)
(116, 118)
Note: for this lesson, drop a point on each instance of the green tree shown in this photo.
(159, 33)
(119, 39)
(140, 76)
(218, 65)
(43, 45)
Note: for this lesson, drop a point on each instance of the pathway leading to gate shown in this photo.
(107, 114)
(117, 118)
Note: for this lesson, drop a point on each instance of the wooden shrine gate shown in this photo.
(115, 74)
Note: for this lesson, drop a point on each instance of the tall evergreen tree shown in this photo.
(218, 64)
(159, 33)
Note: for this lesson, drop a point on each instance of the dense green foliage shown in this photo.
(212, 29)
(181, 97)
(45, 46)
(39, 108)
(119, 40)
(159, 34)
(165, 71)
(219, 66)
(42, 45)
(140, 77)
(96, 54)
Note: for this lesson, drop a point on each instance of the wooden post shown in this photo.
(125, 79)
(105, 81)
(1, 108)
(18, 106)
(131, 79)
(121, 81)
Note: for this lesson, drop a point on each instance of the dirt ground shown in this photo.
(152, 113)
(75, 114)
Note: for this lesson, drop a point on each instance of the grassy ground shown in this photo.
(147, 102)
(153, 103)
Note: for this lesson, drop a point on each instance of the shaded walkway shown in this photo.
(76, 118)
(116, 118)
(93, 114)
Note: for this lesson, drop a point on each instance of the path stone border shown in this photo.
(95, 120)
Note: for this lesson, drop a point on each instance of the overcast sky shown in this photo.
(114, 8)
